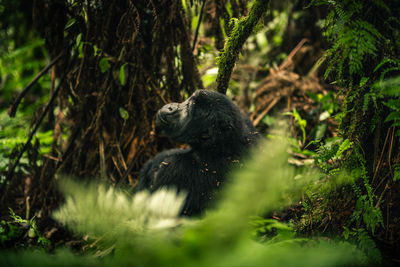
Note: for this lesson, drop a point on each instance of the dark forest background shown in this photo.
(81, 82)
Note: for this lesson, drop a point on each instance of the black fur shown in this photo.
(218, 134)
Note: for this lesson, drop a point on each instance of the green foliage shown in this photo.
(80, 43)
(18, 67)
(71, 22)
(345, 145)
(365, 212)
(262, 46)
(301, 123)
(277, 26)
(209, 77)
(322, 199)
(240, 32)
(123, 113)
(145, 230)
(394, 65)
(122, 75)
(326, 108)
(363, 59)
(8, 232)
(391, 88)
(13, 134)
(40, 258)
(332, 158)
(365, 243)
(363, 51)
(327, 104)
(119, 212)
(396, 176)
(354, 39)
(22, 58)
(330, 153)
(272, 230)
(33, 231)
(103, 64)
(22, 54)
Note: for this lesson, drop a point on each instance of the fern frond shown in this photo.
(389, 87)
(96, 210)
(368, 246)
(355, 39)
(393, 104)
(394, 115)
(391, 61)
(395, 69)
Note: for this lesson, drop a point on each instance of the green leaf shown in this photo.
(395, 115)
(390, 87)
(324, 115)
(95, 50)
(123, 113)
(320, 131)
(268, 120)
(103, 64)
(69, 23)
(383, 62)
(363, 81)
(122, 74)
(78, 40)
(393, 104)
(31, 233)
(346, 232)
(343, 147)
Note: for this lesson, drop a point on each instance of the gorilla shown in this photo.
(218, 135)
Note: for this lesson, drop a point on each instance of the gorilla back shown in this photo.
(218, 134)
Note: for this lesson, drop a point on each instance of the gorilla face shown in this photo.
(173, 118)
(206, 118)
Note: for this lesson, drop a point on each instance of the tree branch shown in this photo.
(198, 25)
(12, 110)
(239, 35)
(46, 110)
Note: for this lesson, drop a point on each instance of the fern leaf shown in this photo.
(389, 87)
(388, 70)
(385, 61)
(393, 104)
(343, 147)
(395, 115)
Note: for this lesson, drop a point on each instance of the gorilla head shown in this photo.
(205, 120)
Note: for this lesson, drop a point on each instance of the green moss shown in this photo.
(240, 32)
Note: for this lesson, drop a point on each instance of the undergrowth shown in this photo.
(145, 230)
